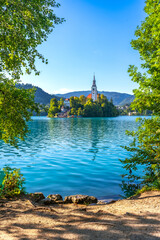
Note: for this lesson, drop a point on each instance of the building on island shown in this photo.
(63, 109)
(94, 93)
(67, 102)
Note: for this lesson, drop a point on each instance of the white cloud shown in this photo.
(63, 90)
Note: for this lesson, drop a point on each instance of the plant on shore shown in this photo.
(145, 148)
(12, 183)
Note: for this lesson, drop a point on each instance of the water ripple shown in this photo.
(70, 156)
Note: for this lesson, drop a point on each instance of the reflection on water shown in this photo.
(70, 156)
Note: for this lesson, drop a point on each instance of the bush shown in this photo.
(11, 183)
(129, 189)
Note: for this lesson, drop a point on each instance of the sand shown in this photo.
(137, 218)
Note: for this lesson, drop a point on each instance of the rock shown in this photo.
(68, 199)
(92, 199)
(47, 201)
(80, 199)
(55, 197)
(37, 196)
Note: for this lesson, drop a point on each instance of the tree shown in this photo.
(61, 103)
(16, 108)
(53, 102)
(53, 108)
(75, 102)
(89, 109)
(80, 112)
(82, 99)
(73, 111)
(103, 98)
(24, 26)
(99, 108)
(145, 147)
(53, 111)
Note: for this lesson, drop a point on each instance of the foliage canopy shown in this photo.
(16, 108)
(24, 26)
(146, 145)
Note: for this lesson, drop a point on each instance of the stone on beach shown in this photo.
(47, 201)
(37, 196)
(80, 199)
(55, 197)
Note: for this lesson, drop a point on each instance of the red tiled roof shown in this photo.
(89, 96)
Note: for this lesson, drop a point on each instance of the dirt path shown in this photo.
(137, 218)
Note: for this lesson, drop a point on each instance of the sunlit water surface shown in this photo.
(71, 156)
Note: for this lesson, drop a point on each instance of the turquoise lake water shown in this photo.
(72, 156)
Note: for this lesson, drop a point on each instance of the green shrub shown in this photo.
(12, 183)
(151, 182)
(129, 189)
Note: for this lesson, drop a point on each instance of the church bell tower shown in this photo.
(94, 89)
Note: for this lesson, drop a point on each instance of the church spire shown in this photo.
(94, 79)
(94, 91)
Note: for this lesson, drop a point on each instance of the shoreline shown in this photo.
(103, 198)
(134, 218)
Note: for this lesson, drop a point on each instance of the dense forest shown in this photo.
(81, 106)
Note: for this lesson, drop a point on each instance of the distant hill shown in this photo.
(118, 98)
(40, 95)
(44, 98)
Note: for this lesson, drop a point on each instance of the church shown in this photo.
(94, 93)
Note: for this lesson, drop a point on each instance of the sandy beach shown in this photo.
(136, 218)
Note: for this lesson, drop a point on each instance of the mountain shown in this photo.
(44, 98)
(40, 95)
(118, 98)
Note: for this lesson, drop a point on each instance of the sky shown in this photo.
(94, 39)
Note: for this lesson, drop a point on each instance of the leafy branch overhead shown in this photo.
(24, 25)
(148, 45)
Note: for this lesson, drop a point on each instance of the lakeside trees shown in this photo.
(100, 108)
(54, 108)
(85, 107)
(145, 147)
(16, 108)
(24, 26)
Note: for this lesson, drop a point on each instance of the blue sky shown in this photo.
(95, 38)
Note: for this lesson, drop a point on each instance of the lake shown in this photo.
(72, 156)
